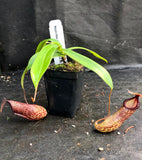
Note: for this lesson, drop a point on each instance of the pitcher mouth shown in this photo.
(132, 103)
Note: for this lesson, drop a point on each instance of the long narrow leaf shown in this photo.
(42, 62)
(25, 71)
(54, 40)
(90, 64)
(23, 76)
(28, 68)
(58, 54)
(43, 43)
(90, 51)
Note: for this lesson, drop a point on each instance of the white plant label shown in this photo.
(56, 32)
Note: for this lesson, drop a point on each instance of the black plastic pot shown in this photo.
(63, 92)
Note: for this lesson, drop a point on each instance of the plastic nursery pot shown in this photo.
(63, 92)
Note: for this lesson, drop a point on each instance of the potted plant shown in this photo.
(62, 77)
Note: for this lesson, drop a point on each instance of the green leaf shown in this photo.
(42, 62)
(28, 68)
(41, 45)
(22, 77)
(54, 40)
(44, 42)
(31, 61)
(92, 65)
(90, 51)
(58, 54)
